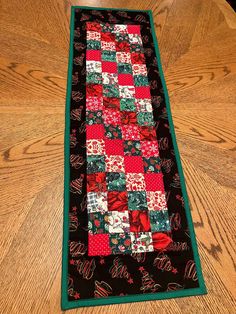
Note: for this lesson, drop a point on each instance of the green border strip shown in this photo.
(65, 303)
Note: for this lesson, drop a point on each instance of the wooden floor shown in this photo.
(197, 40)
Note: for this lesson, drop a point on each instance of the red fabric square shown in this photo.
(123, 46)
(111, 117)
(93, 26)
(114, 147)
(128, 117)
(93, 90)
(149, 148)
(107, 37)
(134, 164)
(117, 201)
(130, 132)
(112, 103)
(139, 221)
(93, 55)
(110, 67)
(154, 182)
(137, 58)
(96, 182)
(142, 92)
(99, 244)
(95, 131)
(133, 29)
(147, 133)
(126, 79)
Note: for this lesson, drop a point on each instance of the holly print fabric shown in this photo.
(125, 109)
(149, 253)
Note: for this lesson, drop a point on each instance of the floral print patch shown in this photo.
(126, 202)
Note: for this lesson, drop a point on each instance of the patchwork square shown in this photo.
(93, 26)
(95, 163)
(95, 131)
(94, 90)
(139, 221)
(159, 220)
(122, 46)
(94, 103)
(126, 91)
(132, 148)
(120, 243)
(154, 182)
(93, 55)
(110, 78)
(125, 68)
(113, 131)
(142, 91)
(122, 37)
(130, 132)
(137, 200)
(125, 79)
(128, 117)
(149, 149)
(123, 57)
(139, 69)
(92, 35)
(141, 80)
(108, 36)
(96, 182)
(114, 147)
(135, 39)
(108, 55)
(95, 147)
(137, 58)
(97, 202)
(117, 201)
(115, 163)
(118, 222)
(120, 28)
(152, 164)
(134, 164)
(94, 66)
(143, 105)
(156, 200)
(108, 46)
(94, 117)
(127, 104)
(110, 90)
(147, 133)
(93, 44)
(133, 29)
(94, 78)
(111, 117)
(99, 244)
(135, 182)
(98, 223)
(141, 242)
(111, 103)
(115, 181)
(110, 67)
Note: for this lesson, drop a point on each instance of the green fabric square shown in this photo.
(110, 90)
(95, 163)
(93, 44)
(132, 148)
(107, 28)
(159, 220)
(98, 223)
(94, 117)
(137, 200)
(109, 55)
(113, 131)
(122, 37)
(152, 164)
(141, 80)
(124, 68)
(120, 243)
(127, 104)
(136, 48)
(94, 78)
(145, 118)
(115, 181)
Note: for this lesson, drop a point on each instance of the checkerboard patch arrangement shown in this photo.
(126, 203)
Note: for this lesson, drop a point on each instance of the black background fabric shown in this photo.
(173, 269)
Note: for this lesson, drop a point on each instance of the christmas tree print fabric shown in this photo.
(127, 235)
(126, 200)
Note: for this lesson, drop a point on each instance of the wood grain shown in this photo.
(198, 50)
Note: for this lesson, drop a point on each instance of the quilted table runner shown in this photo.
(128, 233)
